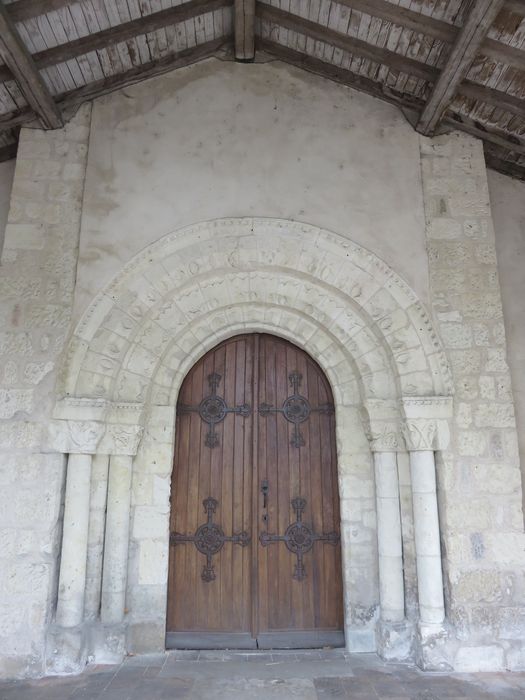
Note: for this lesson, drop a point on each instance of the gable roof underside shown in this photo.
(445, 63)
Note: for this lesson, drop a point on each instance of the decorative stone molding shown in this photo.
(383, 426)
(420, 434)
(74, 437)
(121, 439)
(228, 273)
(426, 422)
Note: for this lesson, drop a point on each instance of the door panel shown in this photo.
(273, 574)
(210, 462)
(297, 595)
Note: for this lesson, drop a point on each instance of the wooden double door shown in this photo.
(255, 554)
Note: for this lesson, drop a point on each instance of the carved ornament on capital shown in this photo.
(382, 421)
(420, 434)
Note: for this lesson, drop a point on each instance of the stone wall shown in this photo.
(6, 181)
(507, 200)
(37, 280)
(479, 476)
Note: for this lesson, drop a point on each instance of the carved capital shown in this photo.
(420, 434)
(121, 439)
(75, 436)
(382, 423)
(385, 437)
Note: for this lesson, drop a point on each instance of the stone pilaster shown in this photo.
(37, 278)
(485, 544)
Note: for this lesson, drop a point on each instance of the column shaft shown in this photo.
(114, 577)
(426, 534)
(72, 578)
(97, 524)
(391, 585)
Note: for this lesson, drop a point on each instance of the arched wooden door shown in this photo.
(255, 555)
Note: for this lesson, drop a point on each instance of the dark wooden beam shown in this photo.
(468, 42)
(379, 55)
(516, 6)
(346, 43)
(8, 152)
(27, 9)
(504, 167)
(122, 32)
(73, 98)
(244, 27)
(24, 71)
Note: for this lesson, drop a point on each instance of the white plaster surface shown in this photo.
(507, 199)
(7, 171)
(225, 139)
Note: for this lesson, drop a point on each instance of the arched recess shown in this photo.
(200, 285)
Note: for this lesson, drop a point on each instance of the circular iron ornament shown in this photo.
(299, 538)
(209, 539)
(296, 409)
(213, 409)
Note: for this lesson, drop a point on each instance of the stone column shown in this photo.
(116, 543)
(394, 632)
(72, 579)
(97, 523)
(426, 429)
(391, 585)
(426, 533)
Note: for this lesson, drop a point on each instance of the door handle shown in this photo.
(265, 487)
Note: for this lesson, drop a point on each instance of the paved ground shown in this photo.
(265, 676)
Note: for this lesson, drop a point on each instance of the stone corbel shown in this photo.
(383, 426)
(426, 422)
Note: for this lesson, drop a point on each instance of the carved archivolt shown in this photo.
(183, 294)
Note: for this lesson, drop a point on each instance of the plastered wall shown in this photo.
(224, 139)
(507, 199)
(7, 170)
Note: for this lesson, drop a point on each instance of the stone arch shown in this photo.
(184, 294)
(179, 296)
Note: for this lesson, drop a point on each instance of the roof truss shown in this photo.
(450, 98)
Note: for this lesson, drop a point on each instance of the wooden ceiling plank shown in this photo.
(128, 30)
(244, 23)
(20, 63)
(346, 43)
(22, 10)
(467, 45)
(516, 6)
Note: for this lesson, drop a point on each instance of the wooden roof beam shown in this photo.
(244, 27)
(393, 60)
(122, 32)
(23, 68)
(464, 51)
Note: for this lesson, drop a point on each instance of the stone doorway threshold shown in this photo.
(281, 675)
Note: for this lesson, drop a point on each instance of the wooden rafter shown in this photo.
(122, 32)
(27, 9)
(464, 51)
(244, 26)
(386, 57)
(24, 71)
(435, 28)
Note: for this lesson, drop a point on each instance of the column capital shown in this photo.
(93, 437)
(425, 421)
(383, 425)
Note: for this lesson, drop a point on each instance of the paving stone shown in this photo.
(310, 676)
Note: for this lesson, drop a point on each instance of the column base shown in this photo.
(395, 640)
(66, 650)
(107, 643)
(432, 647)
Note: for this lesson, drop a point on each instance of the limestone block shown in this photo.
(481, 658)
(149, 523)
(14, 400)
(153, 562)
